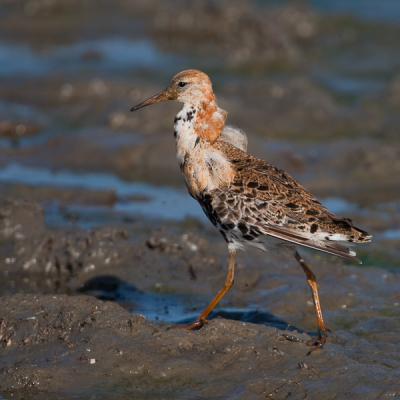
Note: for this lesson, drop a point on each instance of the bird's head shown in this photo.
(189, 87)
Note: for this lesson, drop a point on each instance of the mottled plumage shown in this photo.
(265, 200)
(251, 202)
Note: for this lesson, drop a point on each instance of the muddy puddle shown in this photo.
(101, 247)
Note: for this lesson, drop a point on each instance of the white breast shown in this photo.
(184, 132)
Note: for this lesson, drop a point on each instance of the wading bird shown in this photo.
(251, 202)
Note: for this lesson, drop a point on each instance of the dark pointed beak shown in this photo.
(166, 94)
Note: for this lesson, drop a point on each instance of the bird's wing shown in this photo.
(275, 204)
(330, 247)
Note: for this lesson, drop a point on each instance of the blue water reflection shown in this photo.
(375, 10)
(106, 54)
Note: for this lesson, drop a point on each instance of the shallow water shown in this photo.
(161, 203)
(158, 202)
(108, 56)
(372, 10)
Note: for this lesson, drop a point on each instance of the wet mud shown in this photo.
(122, 354)
(101, 247)
(253, 347)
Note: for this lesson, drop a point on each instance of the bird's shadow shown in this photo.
(111, 288)
(252, 316)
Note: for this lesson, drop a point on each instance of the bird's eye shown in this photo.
(182, 84)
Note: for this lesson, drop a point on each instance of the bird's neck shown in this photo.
(203, 118)
(197, 127)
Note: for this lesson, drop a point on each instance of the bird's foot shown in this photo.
(197, 324)
(319, 340)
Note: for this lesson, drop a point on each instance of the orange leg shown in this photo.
(311, 280)
(202, 318)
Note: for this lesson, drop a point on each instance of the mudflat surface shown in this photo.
(101, 247)
(79, 344)
(61, 345)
